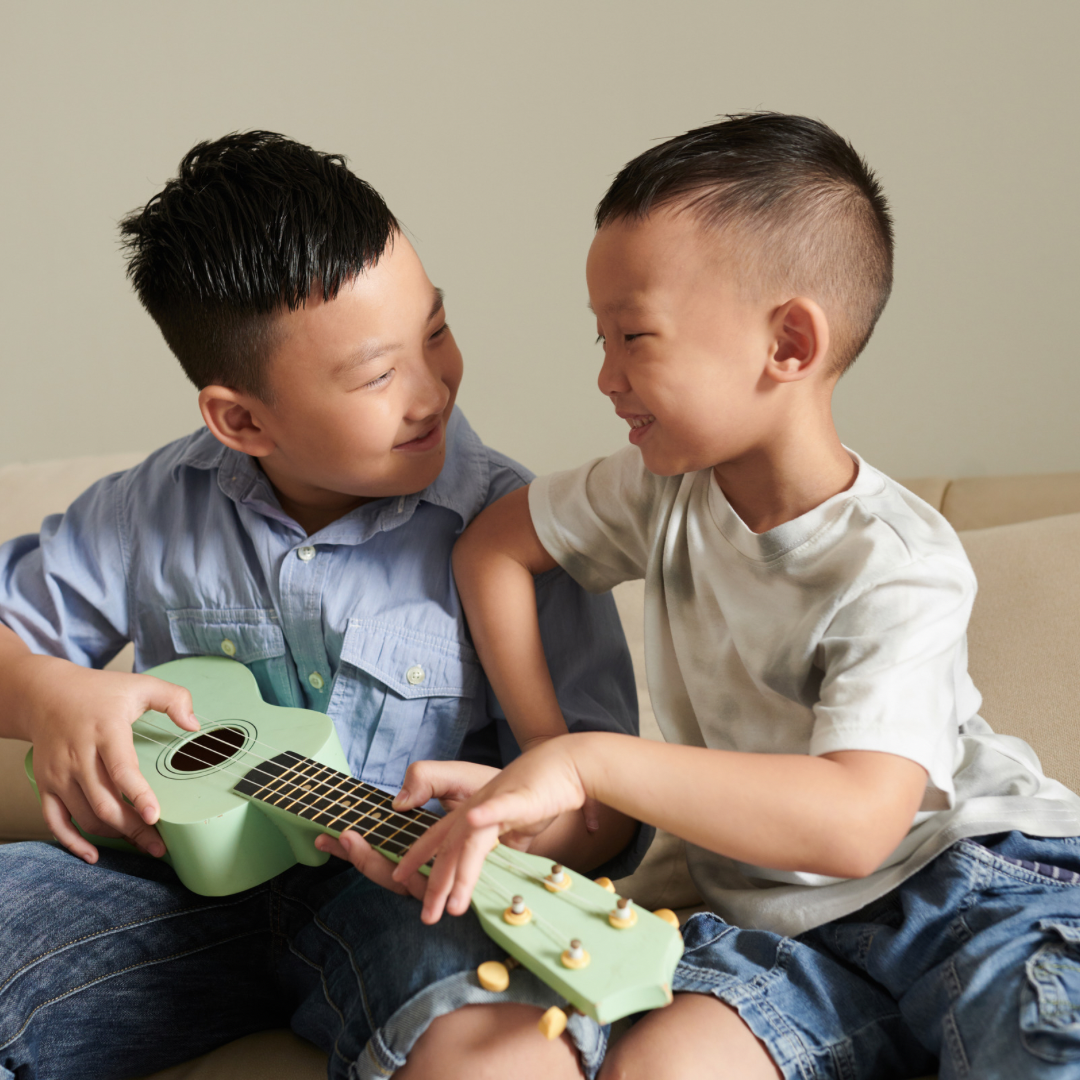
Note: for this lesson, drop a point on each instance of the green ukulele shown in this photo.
(244, 798)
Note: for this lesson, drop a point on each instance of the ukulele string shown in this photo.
(489, 883)
(209, 735)
(585, 904)
(506, 863)
(280, 750)
(505, 895)
(362, 800)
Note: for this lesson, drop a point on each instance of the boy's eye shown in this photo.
(440, 332)
(600, 339)
(383, 378)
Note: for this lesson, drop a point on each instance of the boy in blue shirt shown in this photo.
(893, 887)
(306, 533)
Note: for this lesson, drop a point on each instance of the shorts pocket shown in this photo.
(1050, 999)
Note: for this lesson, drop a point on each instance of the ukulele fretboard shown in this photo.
(334, 800)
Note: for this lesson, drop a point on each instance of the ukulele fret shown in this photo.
(334, 800)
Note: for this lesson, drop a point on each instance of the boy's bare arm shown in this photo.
(494, 564)
(839, 815)
(79, 721)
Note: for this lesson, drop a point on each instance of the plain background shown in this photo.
(492, 129)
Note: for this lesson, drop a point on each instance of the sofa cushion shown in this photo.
(256, 1057)
(980, 502)
(1024, 639)
(29, 493)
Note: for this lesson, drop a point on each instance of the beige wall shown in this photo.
(492, 128)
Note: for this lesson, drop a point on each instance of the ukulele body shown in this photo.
(217, 841)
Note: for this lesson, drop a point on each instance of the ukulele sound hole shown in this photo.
(209, 749)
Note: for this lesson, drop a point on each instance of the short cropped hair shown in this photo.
(252, 225)
(807, 215)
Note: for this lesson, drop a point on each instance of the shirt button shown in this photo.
(416, 675)
(305, 554)
(316, 680)
(228, 648)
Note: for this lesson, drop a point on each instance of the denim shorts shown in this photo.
(971, 968)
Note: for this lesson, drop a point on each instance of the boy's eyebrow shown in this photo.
(619, 308)
(370, 352)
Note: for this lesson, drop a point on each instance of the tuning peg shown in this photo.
(558, 880)
(605, 883)
(624, 916)
(575, 957)
(668, 916)
(493, 976)
(517, 914)
(553, 1023)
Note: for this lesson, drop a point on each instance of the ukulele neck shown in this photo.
(334, 800)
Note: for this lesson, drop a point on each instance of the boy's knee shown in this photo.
(490, 1042)
(687, 1039)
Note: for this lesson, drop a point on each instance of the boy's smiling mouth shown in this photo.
(423, 442)
(640, 423)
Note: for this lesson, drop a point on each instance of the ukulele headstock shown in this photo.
(623, 966)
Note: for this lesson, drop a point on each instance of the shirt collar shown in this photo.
(461, 486)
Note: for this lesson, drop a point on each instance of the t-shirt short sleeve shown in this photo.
(597, 521)
(895, 668)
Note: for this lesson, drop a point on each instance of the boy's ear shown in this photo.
(800, 340)
(235, 419)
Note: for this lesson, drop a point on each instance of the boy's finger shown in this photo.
(447, 781)
(508, 810)
(440, 882)
(108, 805)
(421, 850)
(121, 765)
(58, 819)
(470, 862)
(369, 862)
(174, 701)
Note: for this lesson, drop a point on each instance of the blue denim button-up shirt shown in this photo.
(189, 554)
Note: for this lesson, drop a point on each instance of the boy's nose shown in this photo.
(430, 398)
(611, 379)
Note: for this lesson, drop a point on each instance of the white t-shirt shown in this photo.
(845, 629)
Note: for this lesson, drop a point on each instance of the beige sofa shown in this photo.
(1022, 534)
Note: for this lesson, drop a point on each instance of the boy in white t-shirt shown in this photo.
(806, 651)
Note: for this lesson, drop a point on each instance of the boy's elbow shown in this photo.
(860, 852)
(858, 862)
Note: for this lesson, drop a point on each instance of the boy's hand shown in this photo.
(590, 811)
(451, 782)
(518, 803)
(84, 754)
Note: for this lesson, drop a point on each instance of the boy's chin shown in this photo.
(660, 464)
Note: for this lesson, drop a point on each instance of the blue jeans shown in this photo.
(117, 970)
(971, 967)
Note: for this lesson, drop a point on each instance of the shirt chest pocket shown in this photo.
(402, 695)
(249, 635)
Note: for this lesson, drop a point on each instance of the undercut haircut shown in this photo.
(804, 215)
(252, 225)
